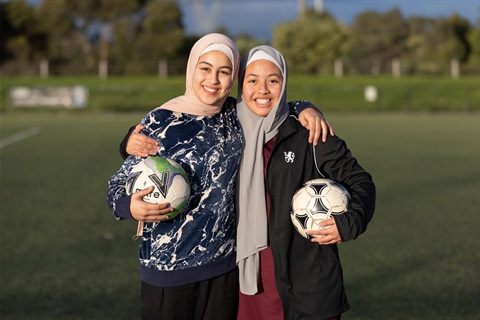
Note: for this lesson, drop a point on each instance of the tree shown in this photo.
(153, 34)
(123, 47)
(79, 30)
(376, 39)
(245, 42)
(460, 47)
(474, 39)
(433, 43)
(62, 44)
(21, 39)
(161, 34)
(312, 42)
(7, 31)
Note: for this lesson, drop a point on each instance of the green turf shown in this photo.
(63, 256)
(409, 94)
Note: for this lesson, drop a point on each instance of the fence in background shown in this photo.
(166, 68)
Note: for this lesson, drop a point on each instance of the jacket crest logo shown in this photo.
(289, 156)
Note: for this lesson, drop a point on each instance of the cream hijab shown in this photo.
(252, 229)
(189, 103)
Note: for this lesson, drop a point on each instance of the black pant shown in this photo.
(215, 299)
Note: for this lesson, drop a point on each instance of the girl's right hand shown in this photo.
(146, 211)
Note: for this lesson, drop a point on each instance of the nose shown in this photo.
(263, 88)
(214, 78)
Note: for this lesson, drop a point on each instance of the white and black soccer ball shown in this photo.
(167, 176)
(315, 201)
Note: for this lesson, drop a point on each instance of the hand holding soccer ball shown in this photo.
(169, 181)
(313, 206)
(326, 234)
(144, 211)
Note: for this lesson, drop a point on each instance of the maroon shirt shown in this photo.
(266, 304)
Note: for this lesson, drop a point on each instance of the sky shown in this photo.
(258, 17)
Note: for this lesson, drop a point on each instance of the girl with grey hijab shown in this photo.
(251, 210)
(283, 275)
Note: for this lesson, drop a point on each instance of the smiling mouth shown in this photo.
(210, 90)
(262, 101)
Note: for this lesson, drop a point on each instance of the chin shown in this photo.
(262, 114)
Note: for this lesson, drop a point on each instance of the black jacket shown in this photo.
(309, 276)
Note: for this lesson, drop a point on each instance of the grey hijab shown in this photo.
(252, 232)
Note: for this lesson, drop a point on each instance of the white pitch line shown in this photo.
(19, 136)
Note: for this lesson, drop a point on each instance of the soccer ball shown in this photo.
(167, 176)
(316, 201)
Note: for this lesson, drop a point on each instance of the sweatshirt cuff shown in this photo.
(122, 208)
(301, 105)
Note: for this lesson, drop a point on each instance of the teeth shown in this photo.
(209, 89)
(263, 101)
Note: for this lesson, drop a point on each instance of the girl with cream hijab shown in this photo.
(187, 264)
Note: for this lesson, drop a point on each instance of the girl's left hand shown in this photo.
(316, 123)
(328, 234)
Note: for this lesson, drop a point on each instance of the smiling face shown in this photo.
(262, 87)
(212, 78)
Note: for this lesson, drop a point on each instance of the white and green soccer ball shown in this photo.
(170, 181)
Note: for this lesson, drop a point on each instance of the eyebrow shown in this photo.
(211, 65)
(269, 75)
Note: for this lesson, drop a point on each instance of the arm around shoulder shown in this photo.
(138, 144)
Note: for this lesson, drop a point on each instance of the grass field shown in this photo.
(330, 94)
(63, 256)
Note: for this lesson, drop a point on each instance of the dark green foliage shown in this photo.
(134, 36)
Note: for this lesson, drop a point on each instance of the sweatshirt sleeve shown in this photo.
(117, 199)
(296, 107)
(338, 163)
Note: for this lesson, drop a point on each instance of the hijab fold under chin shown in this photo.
(252, 230)
(189, 103)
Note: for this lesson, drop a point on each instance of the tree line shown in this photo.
(144, 37)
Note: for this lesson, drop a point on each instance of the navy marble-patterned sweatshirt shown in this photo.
(200, 243)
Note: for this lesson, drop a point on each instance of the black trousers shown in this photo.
(215, 299)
